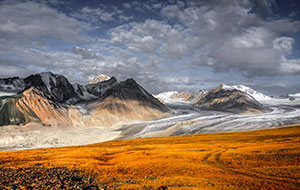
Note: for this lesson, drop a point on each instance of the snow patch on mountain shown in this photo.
(46, 78)
(227, 87)
(297, 95)
(165, 95)
(248, 91)
(4, 93)
(99, 78)
(253, 93)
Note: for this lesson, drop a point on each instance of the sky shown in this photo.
(183, 45)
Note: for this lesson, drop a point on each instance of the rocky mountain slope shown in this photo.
(57, 87)
(50, 99)
(129, 101)
(226, 98)
(33, 105)
(189, 96)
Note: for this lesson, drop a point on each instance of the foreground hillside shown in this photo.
(266, 159)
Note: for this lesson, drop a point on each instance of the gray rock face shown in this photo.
(58, 86)
(99, 88)
(14, 84)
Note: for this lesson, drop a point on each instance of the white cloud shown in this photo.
(127, 5)
(291, 66)
(285, 26)
(284, 44)
(86, 53)
(29, 21)
(157, 5)
(252, 38)
(97, 12)
(227, 36)
(171, 11)
(152, 36)
(124, 18)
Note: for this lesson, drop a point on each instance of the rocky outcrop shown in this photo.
(58, 86)
(100, 88)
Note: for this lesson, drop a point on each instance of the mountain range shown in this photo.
(236, 99)
(50, 99)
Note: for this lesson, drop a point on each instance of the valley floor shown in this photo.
(185, 120)
(263, 159)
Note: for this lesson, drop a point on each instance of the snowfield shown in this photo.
(3, 93)
(191, 120)
(165, 95)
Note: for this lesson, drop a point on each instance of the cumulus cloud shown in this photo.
(152, 36)
(284, 44)
(86, 53)
(291, 66)
(30, 21)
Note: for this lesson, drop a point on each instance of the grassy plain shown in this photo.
(264, 159)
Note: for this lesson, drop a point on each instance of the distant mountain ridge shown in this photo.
(227, 98)
(189, 96)
(183, 96)
(196, 96)
(13, 84)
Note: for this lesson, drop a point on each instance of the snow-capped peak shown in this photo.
(255, 94)
(165, 95)
(247, 90)
(227, 87)
(99, 78)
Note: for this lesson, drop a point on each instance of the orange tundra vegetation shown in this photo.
(265, 159)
